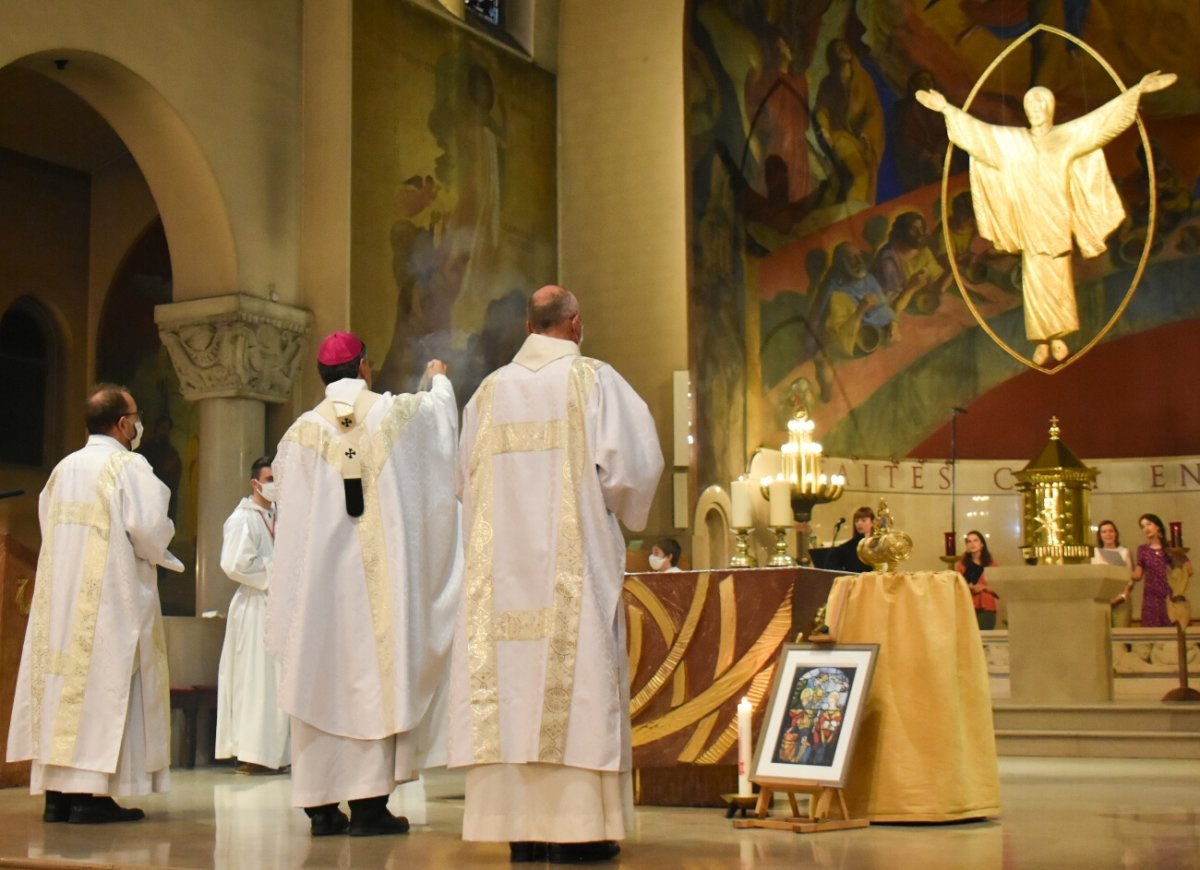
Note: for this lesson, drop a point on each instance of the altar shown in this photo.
(700, 641)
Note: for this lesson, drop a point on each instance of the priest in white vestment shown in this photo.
(1036, 188)
(251, 727)
(364, 587)
(92, 703)
(555, 449)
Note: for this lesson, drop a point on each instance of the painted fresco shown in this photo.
(453, 213)
(821, 272)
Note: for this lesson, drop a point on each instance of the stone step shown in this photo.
(1098, 744)
(1117, 730)
(1115, 717)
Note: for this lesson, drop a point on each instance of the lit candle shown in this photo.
(1176, 534)
(744, 739)
(742, 517)
(950, 544)
(781, 503)
(788, 452)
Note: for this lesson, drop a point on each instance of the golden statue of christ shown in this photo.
(1035, 187)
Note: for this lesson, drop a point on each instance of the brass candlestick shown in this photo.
(780, 557)
(743, 557)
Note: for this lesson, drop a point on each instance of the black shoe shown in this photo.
(58, 806)
(377, 825)
(327, 821)
(101, 810)
(582, 853)
(527, 852)
(369, 817)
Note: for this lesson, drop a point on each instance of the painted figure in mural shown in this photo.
(1035, 188)
(1173, 201)
(447, 237)
(907, 268)
(473, 227)
(773, 219)
(858, 317)
(850, 121)
(918, 138)
(164, 459)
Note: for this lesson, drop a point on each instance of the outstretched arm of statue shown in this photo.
(1156, 81)
(1100, 126)
(931, 99)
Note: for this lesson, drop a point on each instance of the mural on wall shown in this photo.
(129, 352)
(821, 274)
(454, 213)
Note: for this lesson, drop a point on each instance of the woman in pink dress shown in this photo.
(1154, 563)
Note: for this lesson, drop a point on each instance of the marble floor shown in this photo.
(1058, 813)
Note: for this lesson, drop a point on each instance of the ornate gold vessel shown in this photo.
(1054, 488)
(887, 545)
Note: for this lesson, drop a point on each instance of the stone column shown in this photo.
(232, 354)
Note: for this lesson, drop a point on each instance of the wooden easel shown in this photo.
(820, 802)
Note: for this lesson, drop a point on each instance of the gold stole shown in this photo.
(558, 624)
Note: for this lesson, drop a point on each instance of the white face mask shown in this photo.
(657, 562)
(269, 490)
(137, 435)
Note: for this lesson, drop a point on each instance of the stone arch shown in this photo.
(196, 221)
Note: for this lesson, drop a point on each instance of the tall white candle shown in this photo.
(781, 503)
(742, 516)
(744, 741)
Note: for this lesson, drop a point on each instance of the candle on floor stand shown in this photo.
(743, 720)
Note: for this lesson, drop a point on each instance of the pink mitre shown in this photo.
(338, 348)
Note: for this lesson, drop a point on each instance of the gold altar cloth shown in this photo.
(927, 748)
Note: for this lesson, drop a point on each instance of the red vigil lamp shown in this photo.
(1176, 534)
(950, 542)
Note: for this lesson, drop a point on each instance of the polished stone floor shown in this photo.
(1058, 813)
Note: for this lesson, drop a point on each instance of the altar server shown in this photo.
(250, 725)
(92, 701)
(364, 587)
(556, 448)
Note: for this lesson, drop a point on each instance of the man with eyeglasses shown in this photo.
(92, 706)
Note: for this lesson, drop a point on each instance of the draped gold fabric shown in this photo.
(926, 751)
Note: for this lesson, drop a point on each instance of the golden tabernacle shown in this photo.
(1054, 488)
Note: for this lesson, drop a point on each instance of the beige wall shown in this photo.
(622, 198)
(222, 77)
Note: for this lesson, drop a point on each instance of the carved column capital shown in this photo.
(234, 346)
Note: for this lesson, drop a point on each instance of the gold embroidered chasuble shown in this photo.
(95, 618)
(360, 614)
(551, 457)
